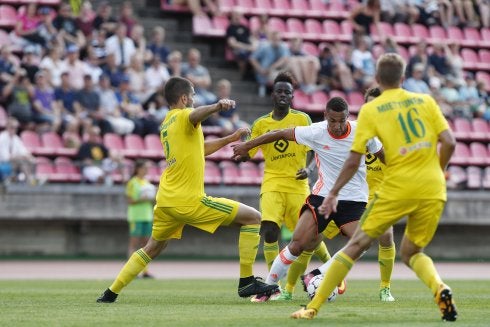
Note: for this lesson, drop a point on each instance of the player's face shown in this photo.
(337, 122)
(189, 101)
(282, 95)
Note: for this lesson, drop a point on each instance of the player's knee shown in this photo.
(270, 231)
(296, 248)
(153, 248)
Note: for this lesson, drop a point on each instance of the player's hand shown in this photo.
(240, 151)
(328, 205)
(240, 134)
(226, 104)
(302, 173)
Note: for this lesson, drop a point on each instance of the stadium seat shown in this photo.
(226, 6)
(346, 31)
(295, 28)
(154, 172)
(485, 37)
(486, 178)
(32, 141)
(310, 48)
(246, 6)
(153, 147)
(479, 155)
(485, 78)
(355, 100)
(317, 8)
(472, 38)
(121, 175)
(8, 16)
(313, 29)
(249, 174)
(437, 34)
(281, 8)
(455, 35)
(403, 33)
(484, 63)
(53, 145)
(202, 25)
(462, 128)
(337, 10)
(318, 101)
(220, 24)
(4, 38)
(299, 8)
(264, 7)
(402, 51)
(212, 173)
(480, 131)
(45, 170)
(331, 30)
(460, 155)
(420, 32)
(457, 177)
(231, 174)
(67, 170)
(470, 59)
(133, 146)
(301, 100)
(277, 24)
(386, 29)
(113, 142)
(3, 118)
(377, 50)
(474, 177)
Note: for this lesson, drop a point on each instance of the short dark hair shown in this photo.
(337, 104)
(390, 69)
(175, 88)
(372, 92)
(285, 77)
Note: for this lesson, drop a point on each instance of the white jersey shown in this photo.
(330, 155)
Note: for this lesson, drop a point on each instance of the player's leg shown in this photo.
(386, 259)
(143, 240)
(421, 226)
(272, 206)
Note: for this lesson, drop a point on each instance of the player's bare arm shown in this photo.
(211, 146)
(350, 167)
(201, 113)
(380, 155)
(303, 173)
(241, 150)
(448, 143)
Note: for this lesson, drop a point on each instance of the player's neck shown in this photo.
(279, 114)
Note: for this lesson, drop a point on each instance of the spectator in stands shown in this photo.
(157, 44)
(97, 42)
(484, 107)
(468, 93)
(420, 56)
(18, 94)
(121, 46)
(104, 19)
(140, 195)
(96, 161)
(262, 32)
(46, 113)
(416, 83)
(132, 109)
(8, 66)
(484, 12)
(46, 28)
(450, 95)
(16, 162)
(303, 66)
(239, 39)
(393, 11)
(109, 104)
(438, 60)
(199, 77)
(229, 120)
(268, 60)
(138, 37)
(389, 44)
(74, 66)
(175, 63)
(30, 62)
(92, 65)
(53, 65)
(114, 71)
(136, 73)
(85, 19)
(455, 62)
(196, 7)
(25, 31)
(363, 16)
(363, 62)
(155, 75)
(67, 27)
(64, 96)
(71, 136)
(87, 102)
(126, 16)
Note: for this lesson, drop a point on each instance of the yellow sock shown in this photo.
(296, 269)
(136, 264)
(386, 259)
(322, 252)
(337, 271)
(271, 251)
(424, 267)
(248, 244)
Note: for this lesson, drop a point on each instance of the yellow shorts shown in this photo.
(208, 215)
(331, 230)
(422, 218)
(281, 208)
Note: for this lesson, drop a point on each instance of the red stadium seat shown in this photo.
(317, 8)
(479, 155)
(480, 131)
(420, 32)
(249, 174)
(299, 8)
(246, 6)
(133, 146)
(484, 63)
(8, 16)
(226, 6)
(66, 168)
(310, 48)
(485, 37)
(32, 141)
(113, 142)
(120, 175)
(460, 155)
(45, 170)
(220, 24)
(346, 31)
(474, 177)
(201, 25)
(378, 50)
(212, 174)
(437, 34)
(318, 101)
(277, 24)
(313, 29)
(462, 128)
(455, 35)
(472, 38)
(403, 33)
(4, 38)
(231, 174)
(295, 28)
(301, 100)
(355, 100)
(457, 177)
(470, 59)
(281, 7)
(53, 144)
(337, 10)
(263, 6)
(331, 30)
(402, 51)
(485, 78)
(154, 172)
(153, 147)
(386, 29)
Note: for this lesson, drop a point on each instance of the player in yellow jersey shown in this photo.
(285, 183)
(181, 199)
(410, 126)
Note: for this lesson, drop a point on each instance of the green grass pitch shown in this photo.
(215, 303)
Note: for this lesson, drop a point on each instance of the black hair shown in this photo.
(372, 92)
(137, 165)
(337, 104)
(175, 88)
(285, 77)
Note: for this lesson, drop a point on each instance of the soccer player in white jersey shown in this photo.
(331, 141)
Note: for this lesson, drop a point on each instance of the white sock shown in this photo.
(280, 266)
(323, 268)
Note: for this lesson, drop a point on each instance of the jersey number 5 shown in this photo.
(411, 125)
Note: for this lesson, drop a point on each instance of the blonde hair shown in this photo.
(390, 70)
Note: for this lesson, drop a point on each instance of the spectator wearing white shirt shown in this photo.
(416, 83)
(121, 46)
(74, 66)
(156, 75)
(363, 62)
(53, 64)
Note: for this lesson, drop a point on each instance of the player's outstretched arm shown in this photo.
(201, 113)
(350, 167)
(448, 144)
(211, 146)
(240, 151)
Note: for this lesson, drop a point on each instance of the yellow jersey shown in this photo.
(282, 158)
(182, 182)
(374, 173)
(408, 125)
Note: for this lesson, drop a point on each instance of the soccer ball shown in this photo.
(314, 284)
(147, 191)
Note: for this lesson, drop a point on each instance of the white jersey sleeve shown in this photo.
(374, 145)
